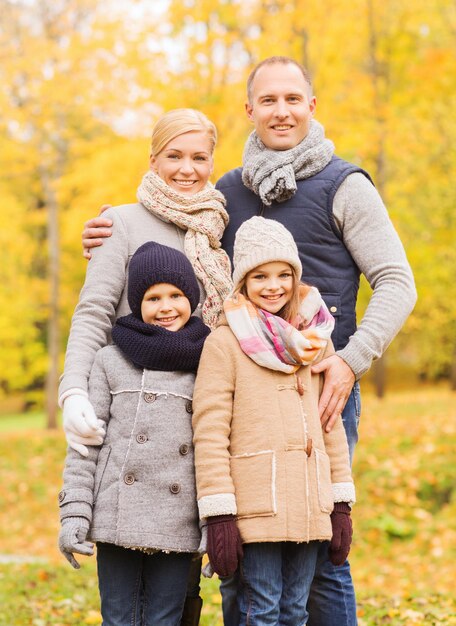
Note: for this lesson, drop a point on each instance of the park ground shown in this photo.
(404, 551)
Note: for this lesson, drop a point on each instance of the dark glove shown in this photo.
(224, 546)
(342, 533)
(72, 538)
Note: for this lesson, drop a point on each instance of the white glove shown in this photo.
(81, 426)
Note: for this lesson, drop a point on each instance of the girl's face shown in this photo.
(165, 305)
(270, 286)
(185, 163)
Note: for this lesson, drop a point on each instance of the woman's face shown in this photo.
(185, 163)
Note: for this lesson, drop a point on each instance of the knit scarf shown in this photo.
(272, 342)
(157, 348)
(204, 218)
(272, 174)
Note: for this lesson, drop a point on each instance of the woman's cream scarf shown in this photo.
(204, 218)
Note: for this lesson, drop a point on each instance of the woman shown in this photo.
(177, 207)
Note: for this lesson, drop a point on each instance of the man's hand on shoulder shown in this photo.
(339, 381)
(94, 232)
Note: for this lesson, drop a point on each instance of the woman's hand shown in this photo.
(81, 426)
(95, 230)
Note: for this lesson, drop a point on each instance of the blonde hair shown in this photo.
(177, 122)
(289, 312)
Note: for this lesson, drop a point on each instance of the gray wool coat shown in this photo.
(138, 488)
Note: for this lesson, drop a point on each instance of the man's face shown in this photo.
(281, 107)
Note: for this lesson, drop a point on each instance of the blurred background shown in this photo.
(82, 83)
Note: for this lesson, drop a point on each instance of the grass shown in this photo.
(27, 421)
(404, 552)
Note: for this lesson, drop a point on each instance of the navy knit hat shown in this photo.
(153, 263)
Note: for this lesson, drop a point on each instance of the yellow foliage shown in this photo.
(83, 85)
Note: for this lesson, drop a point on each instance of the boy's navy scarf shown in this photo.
(157, 348)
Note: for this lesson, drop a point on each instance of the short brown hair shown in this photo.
(273, 61)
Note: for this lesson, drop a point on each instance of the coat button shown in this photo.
(174, 488)
(141, 438)
(189, 406)
(184, 448)
(129, 479)
(149, 397)
(61, 496)
(333, 309)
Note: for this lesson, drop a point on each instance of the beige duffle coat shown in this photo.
(260, 450)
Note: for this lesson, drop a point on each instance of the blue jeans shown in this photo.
(138, 589)
(332, 599)
(275, 581)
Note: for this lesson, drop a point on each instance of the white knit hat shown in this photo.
(260, 241)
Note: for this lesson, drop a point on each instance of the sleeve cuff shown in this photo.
(344, 492)
(71, 392)
(357, 356)
(219, 504)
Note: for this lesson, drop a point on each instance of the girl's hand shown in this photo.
(224, 546)
(342, 533)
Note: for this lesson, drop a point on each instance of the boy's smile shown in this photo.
(165, 305)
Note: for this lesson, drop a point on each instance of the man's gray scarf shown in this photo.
(272, 174)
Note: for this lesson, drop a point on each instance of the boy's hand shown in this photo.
(72, 538)
(94, 232)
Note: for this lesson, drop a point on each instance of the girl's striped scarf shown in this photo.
(272, 342)
(203, 217)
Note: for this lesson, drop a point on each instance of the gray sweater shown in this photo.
(103, 297)
(374, 245)
(138, 488)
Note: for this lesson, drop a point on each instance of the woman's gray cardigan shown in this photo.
(138, 488)
(103, 297)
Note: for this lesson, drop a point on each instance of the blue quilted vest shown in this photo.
(308, 215)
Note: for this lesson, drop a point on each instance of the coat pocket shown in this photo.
(325, 496)
(101, 466)
(254, 478)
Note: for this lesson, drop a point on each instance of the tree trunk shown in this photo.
(378, 73)
(53, 335)
(453, 371)
(379, 371)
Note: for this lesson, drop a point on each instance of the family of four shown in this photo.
(210, 393)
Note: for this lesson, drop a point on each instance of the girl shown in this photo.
(268, 476)
(135, 495)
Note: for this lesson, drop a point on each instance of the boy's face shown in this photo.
(165, 305)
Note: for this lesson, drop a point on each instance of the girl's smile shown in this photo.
(270, 286)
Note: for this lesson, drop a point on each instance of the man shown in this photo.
(342, 229)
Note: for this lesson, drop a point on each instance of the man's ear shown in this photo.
(249, 110)
(313, 104)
